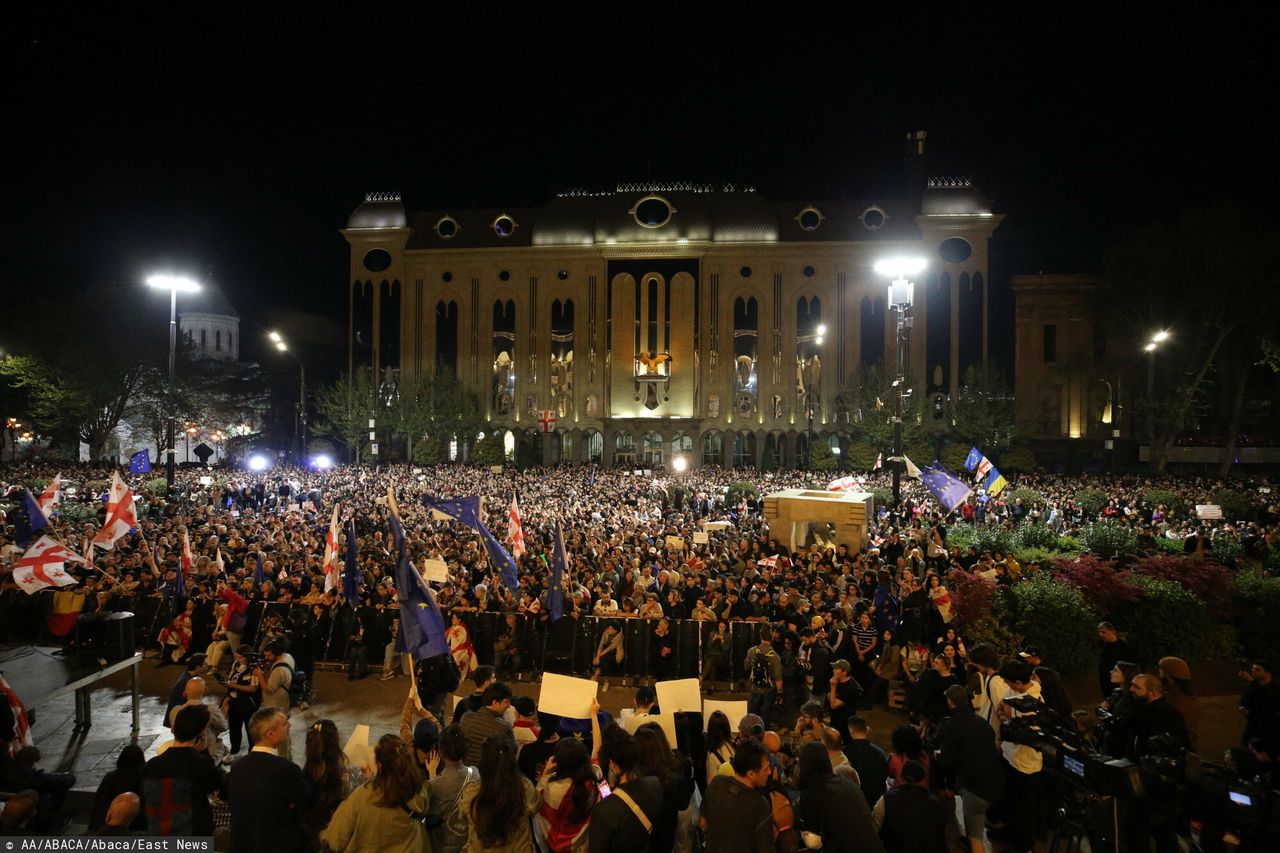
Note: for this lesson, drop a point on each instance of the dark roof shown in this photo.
(209, 300)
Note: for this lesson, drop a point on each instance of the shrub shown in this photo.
(1168, 620)
(883, 496)
(1172, 500)
(489, 450)
(961, 534)
(78, 513)
(1092, 501)
(429, 451)
(1056, 618)
(738, 491)
(97, 487)
(1257, 601)
(1030, 497)
(1108, 539)
(993, 539)
(1165, 545)
(1227, 549)
(955, 454)
(1033, 534)
(860, 456)
(1212, 583)
(1236, 506)
(1070, 545)
(1102, 586)
(990, 631)
(972, 597)
(1033, 554)
(157, 487)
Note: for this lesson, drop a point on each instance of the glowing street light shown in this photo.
(680, 464)
(901, 295)
(174, 284)
(1160, 336)
(283, 346)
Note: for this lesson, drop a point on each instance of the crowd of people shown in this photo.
(835, 630)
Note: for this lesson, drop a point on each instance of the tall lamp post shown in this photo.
(283, 346)
(173, 284)
(808, 400)
(901, 295)
(1150, 349)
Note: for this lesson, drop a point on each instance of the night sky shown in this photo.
(242, 144)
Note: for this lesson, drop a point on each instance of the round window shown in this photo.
(954, 250)
(504, 226)
(745, 272)
(873, 218)
(446, 277)
(653, 212)
(562, 275)
(809, 218)
(377, 260)
(808, 272)
(504, 276)
(447, 227)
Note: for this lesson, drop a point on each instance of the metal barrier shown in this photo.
(566, 646)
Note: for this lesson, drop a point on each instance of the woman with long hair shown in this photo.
(1053, 692)
(326, 769)
(384, 813)
(674, 772)
(125, 778)
(719, 744)
(500, 806)
(569, 785)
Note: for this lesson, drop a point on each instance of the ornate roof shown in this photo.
(380, 210)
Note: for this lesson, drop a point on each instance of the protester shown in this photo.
(831, 806)
(624, 821)
(269, 795)
(126, 778)
(910, 818)
(736, 815)
(177, 783)
(500, 806)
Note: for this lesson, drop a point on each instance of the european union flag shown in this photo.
(351, 572)
(559, 565)
(421, 625)
(973, 460)
(30, 520)
(945, 486)
(180, 584)
(467, 510)
(140, 462)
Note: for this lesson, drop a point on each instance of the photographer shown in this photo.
(1020, 807)
(1260, 702)
(275, 683)
(243, 696)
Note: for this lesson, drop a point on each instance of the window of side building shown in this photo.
(1050, 343)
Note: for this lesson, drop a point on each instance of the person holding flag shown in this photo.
(422, 631)
(122, 515)
(51, 496)
(42, 566)
(332, 566)
(517, 529)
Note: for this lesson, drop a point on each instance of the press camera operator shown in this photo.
(1021, 808)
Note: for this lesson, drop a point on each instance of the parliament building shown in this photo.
(645, 322)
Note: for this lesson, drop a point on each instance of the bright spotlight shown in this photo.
(822, 329)
(1150, 347)
(322, 462)
(680, 464)
(900, 267)
(282, 346)
(258, 462)
(173, 282)
(1160, 337)
(275, 336)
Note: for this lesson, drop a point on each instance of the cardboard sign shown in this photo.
(436, 571)
(735, 711)
(665, 720)
(675, 543)
(358, 751)
(715, 525)
(1208, 511)
(567, 696)
(680, 695)
(701, 538)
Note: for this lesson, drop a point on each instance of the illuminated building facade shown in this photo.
(655, 320)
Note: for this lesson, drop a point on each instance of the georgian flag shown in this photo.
(188, 559)
(844, 484)
(21, 726)
(879, 462)
(51, 495)
(516, 529)
(42, 566)
(332, 555)
(121, 514)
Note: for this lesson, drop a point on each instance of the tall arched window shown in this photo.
(871, 350)
(447, 337)
(562, 357)
(217, 340)
(504, 357)
(746, 328)
(808, 319)
(938, 331)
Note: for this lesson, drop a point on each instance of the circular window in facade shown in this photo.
(955, 250)
(377, 260)
(873, 218)
(504, 276)
(446, 277)
(808, 272)
(447, 227)
(504, 226)
(562, 275)
(652, 211)
(810, 218)
(745, 272)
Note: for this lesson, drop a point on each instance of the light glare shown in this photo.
(1160, 337)
(322, 462)
(680, 464)
(173, 282)
(901, 266)
(258, 462)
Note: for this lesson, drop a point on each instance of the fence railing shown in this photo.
(567, 645)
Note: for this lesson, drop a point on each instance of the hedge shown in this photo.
(1032, 534)
(1168, 620)
(1092, 501)
(1056, 619)
(1108, 539)
(1257, 601)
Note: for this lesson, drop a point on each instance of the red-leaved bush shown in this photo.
(1212, 583)
(972, 597)
(1102, 586)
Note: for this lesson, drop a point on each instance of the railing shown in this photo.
(565, 646)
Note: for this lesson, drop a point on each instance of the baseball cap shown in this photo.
(751, 724)
(1030, 652)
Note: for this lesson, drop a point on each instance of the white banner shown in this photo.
(567, 696)
(679, 695)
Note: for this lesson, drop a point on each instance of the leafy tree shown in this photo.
(489, 450)
(345, 408)
(983, 411)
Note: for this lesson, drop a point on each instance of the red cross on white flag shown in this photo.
(517, 529)
(51, 495)
(547, 421)
(42, 565)
(121, 515)
(332, 556)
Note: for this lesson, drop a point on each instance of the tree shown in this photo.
(1204, 278)
(344, 410)
(983, 411)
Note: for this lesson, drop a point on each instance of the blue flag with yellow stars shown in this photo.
(945, 486)
(467, 510)
(421, 624)
(559, 565)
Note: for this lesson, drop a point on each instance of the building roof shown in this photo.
(210, 299)
(380, 210)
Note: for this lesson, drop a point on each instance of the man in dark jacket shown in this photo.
(911, 819)
(736, 814)
(831, 806)
(971, 763)
(1111, 651)
(1154, 717)
(269, 794)
(177, 783)
(868, 759)
(816, 657)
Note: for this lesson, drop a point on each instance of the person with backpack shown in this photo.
(765, 671)
(276, 682)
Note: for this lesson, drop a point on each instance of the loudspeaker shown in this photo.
(110, 635)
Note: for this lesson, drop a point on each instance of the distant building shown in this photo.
(660, 319)
(210, 324)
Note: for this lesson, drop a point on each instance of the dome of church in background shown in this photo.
(210, 324)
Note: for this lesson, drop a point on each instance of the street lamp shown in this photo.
(283, 347)
(901, 295)
(13, 425)
(173, 284)
(1157, 338)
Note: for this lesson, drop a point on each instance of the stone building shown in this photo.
(655, 320)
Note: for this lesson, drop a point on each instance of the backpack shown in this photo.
(437, 676)
(761, 678)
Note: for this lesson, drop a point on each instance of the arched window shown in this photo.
(204, 340)
(562, 358)
(871, 350)
(938, 330)
(231, 342)
(504, 357)
(217, 340)
(447, 337)
(712, 448)
(746, 327)
(592, 447)
(624, 449)
(744, 450)
(808, 319)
